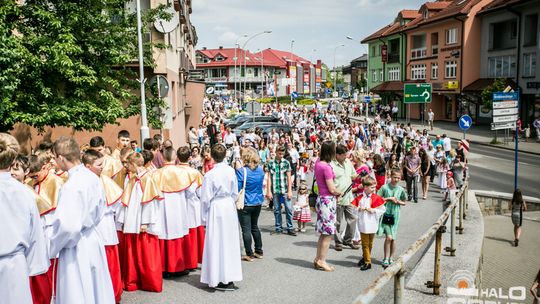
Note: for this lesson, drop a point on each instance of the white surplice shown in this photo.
(23, 250)
(193, 194)
(221, 257)
(83, 274)
(174, 216)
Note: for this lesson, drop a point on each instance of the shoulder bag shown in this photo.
(312, 195)
(242, 193)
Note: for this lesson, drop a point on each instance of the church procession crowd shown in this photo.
(86, 222)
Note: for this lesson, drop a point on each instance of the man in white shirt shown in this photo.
(431, 116)
(230, 138)
(447, 144)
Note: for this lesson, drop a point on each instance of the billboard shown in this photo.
(292, 75)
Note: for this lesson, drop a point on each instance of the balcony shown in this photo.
(418, 53)
(393, 58)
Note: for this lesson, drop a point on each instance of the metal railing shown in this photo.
(397, 269)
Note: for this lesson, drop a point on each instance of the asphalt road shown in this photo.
(493, 169)
(286, 273)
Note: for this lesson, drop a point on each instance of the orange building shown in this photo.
(443, 48)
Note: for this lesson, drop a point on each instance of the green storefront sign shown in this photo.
(417, 93)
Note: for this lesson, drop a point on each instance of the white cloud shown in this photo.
(219, 28)
(228, 38)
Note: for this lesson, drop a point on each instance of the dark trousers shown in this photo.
(249, 217)
(411, 183)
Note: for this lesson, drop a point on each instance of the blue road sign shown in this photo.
(294, 95)
(499, 96)
(367, 98)
(465, 122)
(328, 91)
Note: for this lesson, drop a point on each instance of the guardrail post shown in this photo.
(399, 285)
(465, 200)
(436, 283)
(461, 206)
(451, 249)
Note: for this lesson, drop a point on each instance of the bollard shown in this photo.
(437, 270)
(399, 285)
(451, 249)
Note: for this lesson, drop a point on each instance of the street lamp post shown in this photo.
(235, 59)
(245, 61)
(145, 131)
(335, 72)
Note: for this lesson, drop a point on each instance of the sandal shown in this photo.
(385, 263)
(324, 267)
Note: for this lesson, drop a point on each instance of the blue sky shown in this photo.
(317, 26)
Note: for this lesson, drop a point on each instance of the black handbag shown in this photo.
(388, 219)
(312, 197)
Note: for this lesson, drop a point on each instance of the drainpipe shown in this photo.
(460, 84)
(383, 63)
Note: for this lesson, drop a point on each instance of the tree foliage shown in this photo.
(498, 85)
(70, 63)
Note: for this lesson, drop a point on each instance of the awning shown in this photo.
(395, 87)
(480, 84)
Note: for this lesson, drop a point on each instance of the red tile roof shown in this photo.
(409, 14)
(454, 8)
(436, 6)
(270, 57)
(498, 4)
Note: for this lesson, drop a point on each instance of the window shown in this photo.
(529, 64)
(381, 73)
(374, 49)
(502, 66)
(418, 71)
(503, 35)
(425, 14)
(530, 30)
(450, 69)
(393, 74)
(434, 70)
(451, 36)
(434, 44)
(418, 46)
(219, 58)
(375, 75)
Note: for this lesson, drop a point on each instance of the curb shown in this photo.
(494, 146)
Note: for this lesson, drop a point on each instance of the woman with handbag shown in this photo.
(394, 196)
(250, 184)
(518, 205)
(326, 204)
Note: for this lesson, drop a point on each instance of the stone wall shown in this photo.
(497, 203)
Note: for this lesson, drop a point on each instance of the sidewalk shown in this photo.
(506, 266)
(480, 135)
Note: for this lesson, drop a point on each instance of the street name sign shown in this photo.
(505, 118)
(505, 104)
(465, 122)
(503, 125)
(505, 110)
(417, 93)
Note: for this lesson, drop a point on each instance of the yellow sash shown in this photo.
(112, 192)
(172, 179)
(147, 184)
(49, 188)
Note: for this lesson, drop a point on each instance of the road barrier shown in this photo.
(397, 269)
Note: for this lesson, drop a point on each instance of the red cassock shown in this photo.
(41, 288)
(142, 264)
(113, 261)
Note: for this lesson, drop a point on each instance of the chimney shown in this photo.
(204, 48)
(221, 47)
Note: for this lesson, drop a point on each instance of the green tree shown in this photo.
(498, 85)
(67, 63)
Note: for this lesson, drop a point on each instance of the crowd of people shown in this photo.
(91, 220)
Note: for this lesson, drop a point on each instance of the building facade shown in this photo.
(268, 72)
(510, 47)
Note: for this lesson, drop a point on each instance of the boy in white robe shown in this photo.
(221, 257)
(83, 274)
(95, 162)
(23, 250)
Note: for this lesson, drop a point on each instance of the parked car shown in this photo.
(267, 129)
(241, 120)
(251, 125)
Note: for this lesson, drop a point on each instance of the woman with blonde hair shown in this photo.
(250, 178)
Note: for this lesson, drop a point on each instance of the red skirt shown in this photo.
(114, 269)
(41, 288)
(174, 254)
(141, 266)
(380, 181)
(200, 242)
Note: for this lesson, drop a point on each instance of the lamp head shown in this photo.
(349, 37)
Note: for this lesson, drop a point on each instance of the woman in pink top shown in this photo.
(326, 204)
